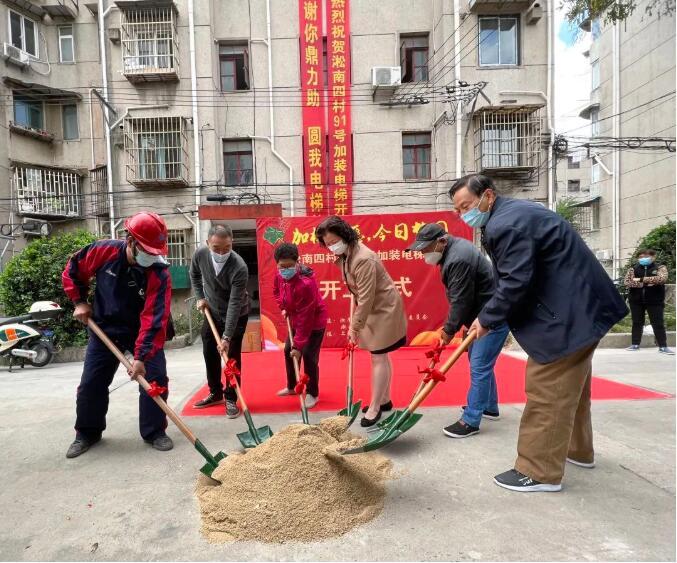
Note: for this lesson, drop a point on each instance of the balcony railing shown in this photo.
(47, 192)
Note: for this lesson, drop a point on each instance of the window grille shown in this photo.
(47, 192)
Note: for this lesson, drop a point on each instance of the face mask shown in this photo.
(645, 261)
(288, 273)
(476, 218)
(432, 258)
(144, 259)
(219, 258)
(338, 248)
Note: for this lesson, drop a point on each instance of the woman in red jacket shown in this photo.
(299, 298)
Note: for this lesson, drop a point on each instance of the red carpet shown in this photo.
(264, 374)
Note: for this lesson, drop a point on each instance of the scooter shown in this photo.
(28, 337)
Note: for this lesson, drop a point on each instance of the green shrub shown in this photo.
(35, 275)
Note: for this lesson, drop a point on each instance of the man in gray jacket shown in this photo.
(219, 278)
(469, 283)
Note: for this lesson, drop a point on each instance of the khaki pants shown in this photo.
(556, 421)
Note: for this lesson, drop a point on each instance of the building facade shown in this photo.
(112, 108)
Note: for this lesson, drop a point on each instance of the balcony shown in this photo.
(508, 140)
(98, 178)
(46, 192)
(156, 151)
(148, 34)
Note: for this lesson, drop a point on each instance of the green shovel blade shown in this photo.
(351, 412)
(387, 435)
(252, 438)
(209, 467)
(387, 421)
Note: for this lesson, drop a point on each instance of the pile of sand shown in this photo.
(287, 489)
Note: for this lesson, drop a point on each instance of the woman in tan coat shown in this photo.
(378, 323)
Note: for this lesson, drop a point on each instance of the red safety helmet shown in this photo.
(149, 231)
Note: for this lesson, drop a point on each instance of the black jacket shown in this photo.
(643, 293)
(469, 282)
(550, 288)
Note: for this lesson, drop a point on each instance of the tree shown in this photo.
(613, 11)
(566, 208)
(35, 275)
(661, 239)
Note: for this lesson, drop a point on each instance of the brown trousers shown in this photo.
(556, 421)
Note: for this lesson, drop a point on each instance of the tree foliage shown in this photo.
(35, 275)
(662, 240)
(613, 11)
(567, 209)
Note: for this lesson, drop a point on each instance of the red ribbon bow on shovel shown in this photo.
(300, 387)
(230, 372)
(155, 390)
(432, 375)
(435, 353)
(350, 347)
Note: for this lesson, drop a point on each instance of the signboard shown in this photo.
(388, 235)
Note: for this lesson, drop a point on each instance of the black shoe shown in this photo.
(384, 407)
(232, 410)
(162, 443)
(367, 422)
(79, 446)
(516, 481)
(209, 401)
(487, 414)
(460, 429)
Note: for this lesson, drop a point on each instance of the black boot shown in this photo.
(80, 446)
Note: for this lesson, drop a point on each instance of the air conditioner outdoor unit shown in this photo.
(534, 13)
(386, 76)
(114, 35)
(15, 55)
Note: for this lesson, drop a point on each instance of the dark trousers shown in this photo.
(97, 375)
(213, 358)
(638, 311)
(311, 363)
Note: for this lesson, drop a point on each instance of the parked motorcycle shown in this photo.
(28, 337)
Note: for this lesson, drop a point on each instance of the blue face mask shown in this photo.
(288, 273)
(476, 218)
(645, 261)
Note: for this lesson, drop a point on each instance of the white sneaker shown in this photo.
(581, 463)
(285, 392)
(311, 401)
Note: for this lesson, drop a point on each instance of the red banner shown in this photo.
(339, 126)
(313, 108)
(388, 235)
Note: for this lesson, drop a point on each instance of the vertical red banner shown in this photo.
(339, 127)
(310, 25)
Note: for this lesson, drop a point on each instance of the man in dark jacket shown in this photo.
(559, 302)
(131, 305)
(469, 283)
(219, 277)
(646, 294)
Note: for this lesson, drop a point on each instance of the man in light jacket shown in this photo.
(219, 278)
(559, 302)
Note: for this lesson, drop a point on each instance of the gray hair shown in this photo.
(221, 231)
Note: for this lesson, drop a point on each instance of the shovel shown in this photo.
(407, 418)
(254, 436)
(212, 460)
(352, 409)
(299, 383)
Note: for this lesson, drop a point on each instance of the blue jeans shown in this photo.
(482, 394)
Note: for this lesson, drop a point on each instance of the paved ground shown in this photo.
(125, 501)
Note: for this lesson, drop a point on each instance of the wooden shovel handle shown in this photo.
(416, 402)
(96, 329)
(297, 372)
(224, 356)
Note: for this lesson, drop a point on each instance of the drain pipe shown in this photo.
(457, 75)
(550, 103)
(196, 137)
(616, 181)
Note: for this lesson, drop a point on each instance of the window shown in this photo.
(149, 43)
(69, 116)
(573, 163)
(416, 156)
(499, 41)
(234, 67)
(238, 163)
(595, 172)
(595, 74)
(587, 217)
(178, 252)
(574, 186)
(28, 112)
(414, 57)
(47, 191)
(66, 45)
(23, 33)
(594, 123)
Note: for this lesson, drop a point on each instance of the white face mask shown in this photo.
(220, 258)
(338, 248)
(144, 259)
(432, 258)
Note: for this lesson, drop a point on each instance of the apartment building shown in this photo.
(114, 107)
(632, 187)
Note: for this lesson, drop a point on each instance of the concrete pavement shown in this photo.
(124, 501)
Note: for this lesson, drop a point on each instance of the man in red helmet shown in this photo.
(131, 304)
